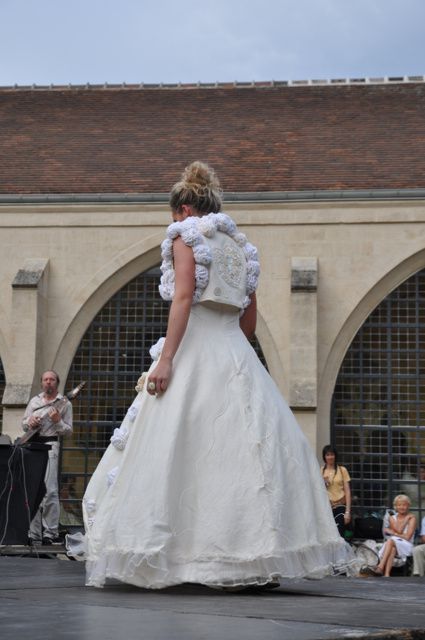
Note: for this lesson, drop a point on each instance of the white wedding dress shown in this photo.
(216, 483)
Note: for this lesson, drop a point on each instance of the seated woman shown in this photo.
(402, 532)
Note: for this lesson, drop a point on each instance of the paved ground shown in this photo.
(46, 599)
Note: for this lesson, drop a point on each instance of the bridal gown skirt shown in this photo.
(217, 484)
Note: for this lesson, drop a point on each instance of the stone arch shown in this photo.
(99, 289)
(390, 281)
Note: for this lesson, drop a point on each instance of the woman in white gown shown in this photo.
(216, 484)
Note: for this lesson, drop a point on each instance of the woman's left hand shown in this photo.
(159, 378)
(347, 517)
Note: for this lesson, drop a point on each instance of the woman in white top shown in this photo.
(217, 484)
(401, 530)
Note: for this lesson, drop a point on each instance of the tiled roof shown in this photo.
(259, 137)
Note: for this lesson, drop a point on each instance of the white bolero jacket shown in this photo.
(226, 264)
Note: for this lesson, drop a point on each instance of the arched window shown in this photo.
(378, 408)
(111, 356)
(2, 386)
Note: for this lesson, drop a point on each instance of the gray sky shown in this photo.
(78, 41)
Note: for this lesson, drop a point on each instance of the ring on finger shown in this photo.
(151, 386)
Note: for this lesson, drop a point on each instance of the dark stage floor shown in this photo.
(45, 598)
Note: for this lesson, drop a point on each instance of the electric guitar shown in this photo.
(58, 404)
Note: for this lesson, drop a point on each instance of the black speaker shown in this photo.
(22, 470)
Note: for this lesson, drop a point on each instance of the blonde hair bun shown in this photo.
(199, 175)
(198, 187)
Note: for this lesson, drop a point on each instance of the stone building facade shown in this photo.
(327, 180)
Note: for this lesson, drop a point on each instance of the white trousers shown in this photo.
(419, 560)
(45, 523)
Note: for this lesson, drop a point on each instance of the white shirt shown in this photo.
(48, 427)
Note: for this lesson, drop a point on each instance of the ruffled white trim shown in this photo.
(132, 413)
(156, 349)
(155, 569)
(112, 475)
(120, 435)
(119, 438)
(90, 507)
(191, 232)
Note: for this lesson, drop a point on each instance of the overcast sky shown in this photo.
(96, 41)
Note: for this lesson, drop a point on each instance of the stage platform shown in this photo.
(46, 599)
(32, 551)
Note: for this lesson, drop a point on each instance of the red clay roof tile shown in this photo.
(258, 138)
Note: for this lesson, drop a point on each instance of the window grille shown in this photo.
(111, 356)
(378, 408)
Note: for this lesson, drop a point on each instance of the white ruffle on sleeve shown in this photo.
(192, 232)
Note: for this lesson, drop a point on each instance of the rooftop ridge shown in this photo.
(306, 195)
(219, 85)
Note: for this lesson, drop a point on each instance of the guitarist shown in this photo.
(48, 424)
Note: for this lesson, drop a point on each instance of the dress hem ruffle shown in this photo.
(157, 570)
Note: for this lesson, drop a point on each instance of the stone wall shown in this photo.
(325, 266)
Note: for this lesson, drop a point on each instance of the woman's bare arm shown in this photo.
(410, 529)
(394, 528)
(347, 493)
(248, 321)
(184, 269)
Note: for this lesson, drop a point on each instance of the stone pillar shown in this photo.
(28, 332)
(303, 344)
